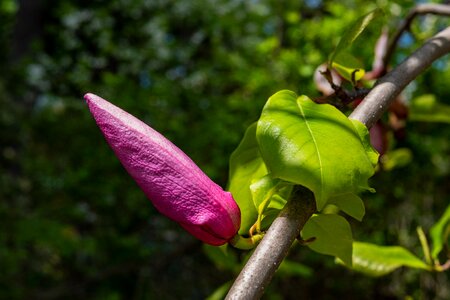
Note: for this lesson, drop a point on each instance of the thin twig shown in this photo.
(275, 245)
(421, 9)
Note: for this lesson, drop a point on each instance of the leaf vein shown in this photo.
(302, 113)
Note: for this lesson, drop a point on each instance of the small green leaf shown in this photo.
(333, 236)
(440, 233)
(377, 260)
(220, 292)
(277, 202)
(262, 190)
(349, 67)
(351, 204)
(351, 74)
(426, 109)
(314, 145)
(354, 31)
(246, 165)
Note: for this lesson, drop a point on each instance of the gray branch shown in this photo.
(389, 86)
(421, 9)
(274, 247)
(266, 258)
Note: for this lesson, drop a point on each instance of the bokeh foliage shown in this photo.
(74, 225)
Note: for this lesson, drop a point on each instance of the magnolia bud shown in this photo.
(169, 178)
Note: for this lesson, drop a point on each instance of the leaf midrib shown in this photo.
(302, 114)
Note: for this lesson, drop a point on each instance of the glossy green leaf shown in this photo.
(377, 260)
(246, 165)
(354, 31)
(351, 204)
(427, 109)
(333, 236)
(440, 233)
(314, 145)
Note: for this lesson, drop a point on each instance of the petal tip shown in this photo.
(89, 97)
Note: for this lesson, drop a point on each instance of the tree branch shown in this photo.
(259, 270)
(274, 247)
(390, 85)
(421, 9)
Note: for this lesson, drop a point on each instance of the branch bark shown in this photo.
(421, 9)
(389, 86)
(263, 263)
(274, 247)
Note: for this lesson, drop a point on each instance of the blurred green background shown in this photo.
(73, 224)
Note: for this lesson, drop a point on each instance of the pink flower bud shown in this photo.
(169, 178)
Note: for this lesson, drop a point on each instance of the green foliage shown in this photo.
(440, 234)
(353, 32)
(350, 74)
(222, 258)
(297, 142)
(313, 145)
(351, 204)
(246, 166)
(396, 159)
(332, 236)
(376, 260)
(199, 72)
(426, 108)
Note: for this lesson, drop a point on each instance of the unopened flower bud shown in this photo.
(169, 178)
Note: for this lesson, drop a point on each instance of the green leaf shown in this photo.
(351, 74)
(277, 203)
(364, 135)
(426, 109)
(354, 31)
(396, 158)
(290, 268)
(333, 236)
(351, 204)
(314, 145)
(440, 233)
(246, 165)
(377, 260)
(269, 197)
(262, 191)
(349, 67)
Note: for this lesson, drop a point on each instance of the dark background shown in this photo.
(73, 224)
